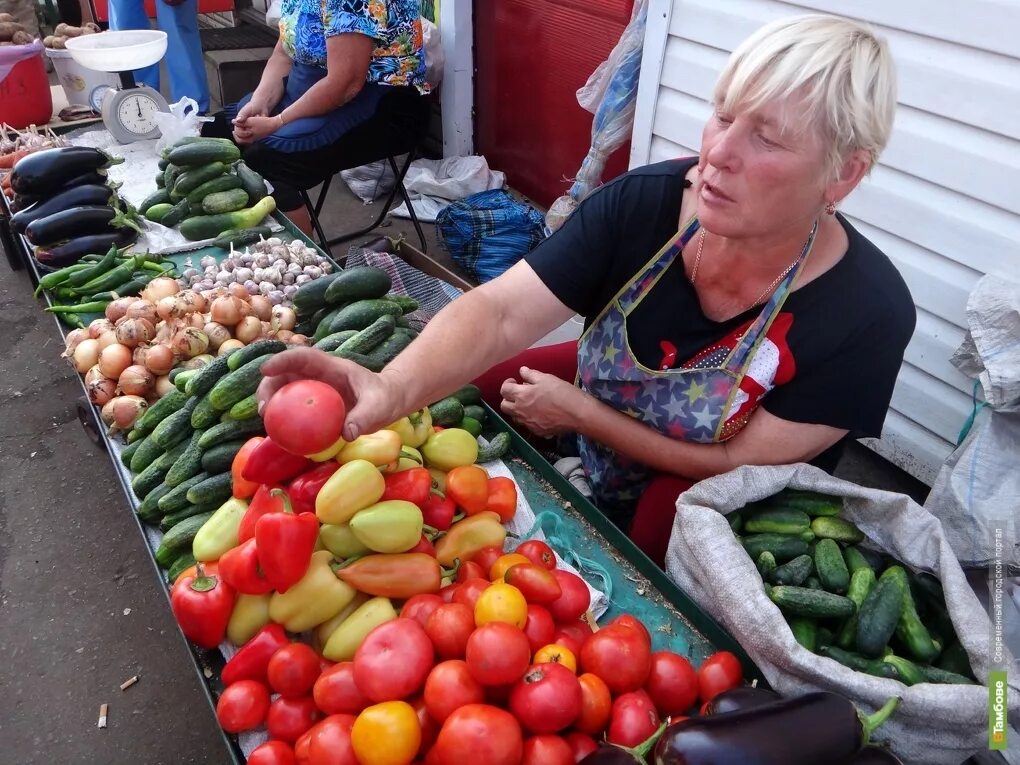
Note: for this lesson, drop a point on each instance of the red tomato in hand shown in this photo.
(486, 557)
(305, 416)
(633, 719)
(580, 744)
(289, 718)
(498, 653)
(330, 742)
(574, 597)
(421, 607)
(547, 699)
(596, 704)
(272, 753)
(393, 661)
(293, 670)
(719, 672)
(450, 686)
(449, 628)
(242, 706)
(335, 692)
(478, 733)
(538, 552)
(470, 591)
(539, 627)
(620, 656)
(547, 750)
(672, 683)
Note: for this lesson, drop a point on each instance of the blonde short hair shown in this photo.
(840, 68)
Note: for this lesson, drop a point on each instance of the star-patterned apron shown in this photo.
(688, 404)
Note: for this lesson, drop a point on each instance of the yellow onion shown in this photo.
(121, 413)
(131, 332)
(114, 359)
(248, 329)
(298, 340)
(283, 317)
(230, 345)
(284, 335)
(85, 355)
(163, 386)
(136, 380)
(226, 310)
(238, 290)
(217, 334)
(190, 342)
(141, 309)
(262, 306)
(159, 359)
(198, 362)
(196, 320)
(165, 307)
(98, 327)
(159, 288)
(109, 337)
(190, 301)
(117, 309)
(100, 389)
(74, 337)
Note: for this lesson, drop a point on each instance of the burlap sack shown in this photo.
(934, 724)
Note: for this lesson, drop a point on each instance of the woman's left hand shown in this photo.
(543, 403)
(255, 128)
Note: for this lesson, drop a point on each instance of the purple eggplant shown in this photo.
(739, 699)
(68, 253)
(76, 196)
(45, 171)
(875, 755)
(614, 754)
(77, 222)
(805, 730)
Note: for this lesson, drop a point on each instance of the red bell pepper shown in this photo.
(437, 511)
(269, 463)
(239, 567)
(468, 487)
(305, 488)
(399, 575)
(285, 543)
(252, 660)
(261, 504)
(502, 497)
(243, 489)
(202, 605)
(413, 485)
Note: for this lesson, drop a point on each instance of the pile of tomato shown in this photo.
(497, 668)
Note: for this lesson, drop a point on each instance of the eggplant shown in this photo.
(76, 196)
(875, 755)
(615, 754)
(806, 730)
(66, 253)
(739, 699)
(77, 222)
(45, 171)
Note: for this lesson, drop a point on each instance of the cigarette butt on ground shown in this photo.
(102, 716)
(129, 682)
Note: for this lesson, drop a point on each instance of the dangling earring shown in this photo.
(830, 208)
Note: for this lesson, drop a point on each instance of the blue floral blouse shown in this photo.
(395, 25)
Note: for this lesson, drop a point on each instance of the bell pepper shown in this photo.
(285, 543)
(468, 487)
(251, 613)
(348, 637)
(219, 533)
(355, 486)
(394, 576)
(469, 536)
(318, 597)
(270, 463)
(262, 503)
(340, 540)
(201, 604)
(414, 429)
(379, 448)
(437, 511)
(412, 486)
(388, 527)
(329, 452)
(502, 497)
(409, 458)
(324, 630)
(239, 568)
(450, 448)
(241, 488)
(306, 487)
(252, 659)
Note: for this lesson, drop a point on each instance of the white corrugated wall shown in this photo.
(944, 202)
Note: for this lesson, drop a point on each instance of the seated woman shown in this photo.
(345, 75)
(732, 317)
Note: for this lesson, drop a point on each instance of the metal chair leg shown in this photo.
(407, 201)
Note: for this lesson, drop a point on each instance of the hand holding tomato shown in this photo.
(305, 416)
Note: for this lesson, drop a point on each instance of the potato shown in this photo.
(22, 38)
(90, 29)
(48, 41)
(7, 17)
(61, 30)
(8, 29)
(58, 42)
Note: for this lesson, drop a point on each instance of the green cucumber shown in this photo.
(219, 183)
(369, 337)
(253, 183)
(823, 637)
(215, 489)
(157, 212)
(816, 604)
(407, 303)
(152, 476)
(910, 630)
(356, 284)
(766, 564)
(205, 415)
(361, 314)
(135, 435)
(777, 521)
(812, 583)
(782, 546)
(955, 659)
(838, 529)
(793, 572)
(322, 326)
(189, 464)
(170, 176)
(237, 385)
(331, 342)
(161, 180)
(176, 427)
(736, 522)
(148, 510)
(311, 296)
(211, 226)
(474, 411)
(810, 502)
(193, 177)
(496, 449)
(368, 362)
(878, 617)
(241, 237)
(468, 394)
(909, 673)
(855, 561)
(181, 381)
(147, 451)
(447, 412)
(391, 347)
(861, 583)
(127, 452)
(231, 431)
(172, 519)
(178, 213)
(203, 382)
(203, 153)
(244, 409)
(805, 631)
(177, 497)
(404, 323)
(224, 201)
(471, 425)
(179, 566)
(846, 658)
(158, 197)
(832, 570)
(179, 539)
(936, 675)
(219, 458)
(242, 356)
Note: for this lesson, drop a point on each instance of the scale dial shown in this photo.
(130, 114)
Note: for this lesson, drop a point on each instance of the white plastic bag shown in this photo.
(435, 58)
(274, 12)
(181, 121)
(433, 184)
(371, 181)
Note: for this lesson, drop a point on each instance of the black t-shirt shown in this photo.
(834, 351)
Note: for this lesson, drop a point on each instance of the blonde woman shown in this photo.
(732, 316)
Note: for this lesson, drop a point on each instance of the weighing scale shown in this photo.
(129, 112)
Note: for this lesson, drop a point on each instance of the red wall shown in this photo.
(531, 56)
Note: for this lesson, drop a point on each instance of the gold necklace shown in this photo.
(765, 293)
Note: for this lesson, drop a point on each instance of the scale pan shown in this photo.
(118, 51)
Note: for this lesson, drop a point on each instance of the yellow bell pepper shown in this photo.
(355, 486)
(414, 429)
(467, 537)
(318, 597)
(340, 540)
(388, 527)
(250, 614)
(379, 448)
(324, 630)
(450, 448)
(409, 458)
(329, 452)
(438, 479)
(219, 533)
(348, 637)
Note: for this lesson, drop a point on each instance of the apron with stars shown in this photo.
(687, 404)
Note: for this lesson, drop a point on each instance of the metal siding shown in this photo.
(944, 202)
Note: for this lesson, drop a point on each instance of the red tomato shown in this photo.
(242, 706)
(293, 670)
(479, 733)
(579, 629)
(574, 597)
(633, 719)
(498, 695)
(330, 742)
(537, 584)
(719, 672)
(429, 727)
(539, 627)
(335, 692)
(301, 748)
(547, 699)
(628, 620)
(305, 416)
(468, 592)
(449, 629)
(538, 552)
(450, 686)
(672, 683)
(580, 744)
(272, 753)
(620, 656)
(289, 718)
(547, 750)
(568, 641)
(447, 593)
(596, 704)
(421, 607)
(487, 556)
(393, 661)
(470, 570)
(498, 653)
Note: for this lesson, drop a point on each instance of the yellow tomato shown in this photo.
(386, 734)
(501, 602)
(503, 562)
(556, 654)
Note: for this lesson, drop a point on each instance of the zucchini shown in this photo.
(176, 427)
(147, 451)
(777, 520)
(219, 458)
(468, 394)
(832, 570)
(158, 197)
(766, 564)
(179, 539)
(251, 182)
(311, 297)
(205, 415)
(152, 476)
(188, 464)
(127, 452)
(242, 356)
(861, 583)
(148, 511)
(239, 384)
(331, 342)
(878, 617)
(805, 632)
(816, 604)
(356, 284)
(157, 212)
(793, 572)
(220, 183)
(203, 153)
(211, 226)
(475, 411)
(407, 303)
(216, 489)
(782, 546)
(177, 497)
(810, 502)
(241, 237)
(838, 529)
(447, 412)
(203, 382)
(178, 213)
(172, 519)
(497, 448)
(361, 314)
(193, 177)
(244, 409)
(231, 431)
(179, 566)
(224, 201)
(369, 337)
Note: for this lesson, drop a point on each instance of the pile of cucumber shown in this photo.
(206, 191)
(846, 601)
(351, 314)
(461, 409)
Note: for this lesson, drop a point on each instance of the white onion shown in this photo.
(113, 360)
(117, 309)
(121, 413)
(131, 332)
(98, 327)
(160, 287)
(141, 309)
(136, 380)
(261, 306)
(85, 355)
(159, 359)
(248, 329)
(190, 342)
(163, 385)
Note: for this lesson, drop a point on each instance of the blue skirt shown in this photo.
(310, 133)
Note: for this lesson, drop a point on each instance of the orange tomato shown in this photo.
(501, 602)
(596, 705)
(503, 563)
(554, 653)
(468, 487)
(386, 734)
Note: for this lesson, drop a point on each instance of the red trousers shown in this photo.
(653, 519)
